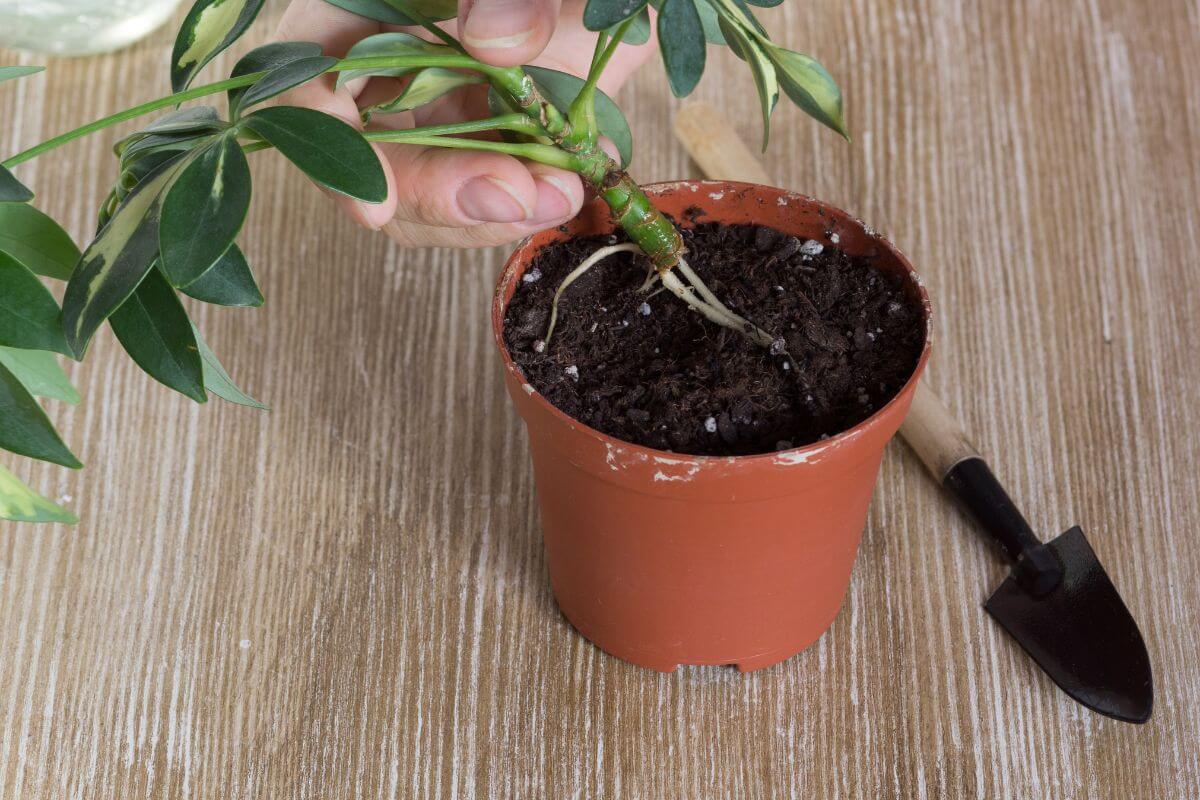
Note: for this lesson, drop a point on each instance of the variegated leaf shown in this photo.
(210, 27)
(11, 189)
(765, 79)
(118, 258)
(155, 331)
(217, 380)
(203, 211)
(27, 430)
(388, 44)
(426, 86)
(28, 312)
(40, 373)
(36, 241)
(810, 86)
(19, 503)
(392, 11)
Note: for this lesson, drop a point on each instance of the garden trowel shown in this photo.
(1058, 602)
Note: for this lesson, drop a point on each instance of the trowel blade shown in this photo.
(1081, 634)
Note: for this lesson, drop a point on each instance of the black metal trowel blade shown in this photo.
(1080, 633)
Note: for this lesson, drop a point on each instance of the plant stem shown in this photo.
(132, 113)
(582, 112)
(196, 92)
(426, 23)
(542, 153)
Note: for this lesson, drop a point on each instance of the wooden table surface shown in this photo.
(347, 597)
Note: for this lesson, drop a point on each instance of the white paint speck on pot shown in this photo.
(834, 238)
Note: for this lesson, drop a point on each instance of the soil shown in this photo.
(648, 370)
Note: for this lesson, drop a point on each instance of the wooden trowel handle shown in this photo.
(931, 430)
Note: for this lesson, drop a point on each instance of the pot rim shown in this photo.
(795, 455)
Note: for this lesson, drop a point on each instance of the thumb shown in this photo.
(506, 33)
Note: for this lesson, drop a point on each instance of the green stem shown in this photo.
(582, 112)
(132, 113)
(541, 153)
(426, 23)
(504, 75)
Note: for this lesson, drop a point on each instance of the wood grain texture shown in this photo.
(346, 597)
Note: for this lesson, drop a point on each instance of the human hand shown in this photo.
(460, 198)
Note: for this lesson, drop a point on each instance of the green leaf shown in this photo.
(765, 79)
(40, 373)
(267, 58)
(157, 149)
(326, 149)
(599, 15)
(560, 88)
(217, 380)
(189, 121)
(118, 258)
(426, 86)
(27, 430)
(387, 11)
(203, 211)
(764, 3)
(280, 79)
(28, 312)
(155, 330)
(388, 44)
(229, 282)
(19, 503)
(210, 27)
(638, 31)
(681, 39)
(37, 241)
(810, 86)
(710, 22)
(11, 189)
(11, 73)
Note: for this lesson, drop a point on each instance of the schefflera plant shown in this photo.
(168, 226)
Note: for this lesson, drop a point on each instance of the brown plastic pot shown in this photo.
(664, 559)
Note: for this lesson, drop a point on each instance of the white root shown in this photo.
(706, 304)
(721, 316)
(589, 262)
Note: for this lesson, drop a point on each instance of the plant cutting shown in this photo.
(167, 230)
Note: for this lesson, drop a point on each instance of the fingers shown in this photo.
(506, 33)
(558, 198)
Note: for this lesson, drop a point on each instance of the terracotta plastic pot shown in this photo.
(664, 559)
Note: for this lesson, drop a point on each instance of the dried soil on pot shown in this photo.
(648, 370)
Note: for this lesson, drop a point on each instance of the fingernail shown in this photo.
(499, 23)
(554, 199)
(488, 199)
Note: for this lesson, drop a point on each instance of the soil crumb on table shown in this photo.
(644, 368)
